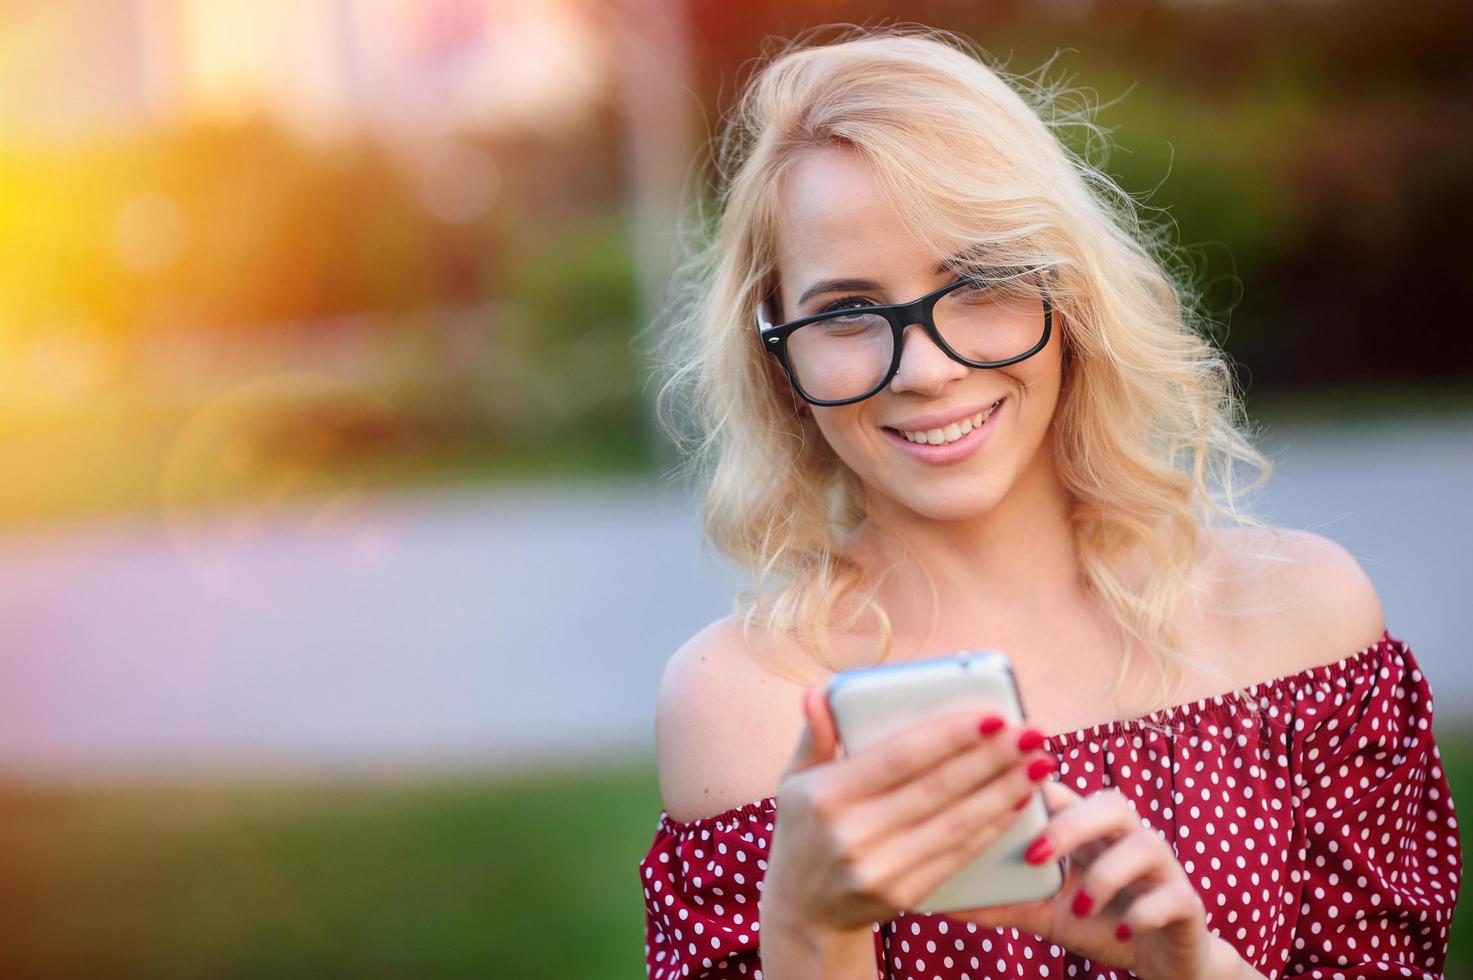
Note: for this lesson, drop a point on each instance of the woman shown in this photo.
(951, 398)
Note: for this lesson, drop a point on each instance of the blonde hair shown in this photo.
(1148, 423)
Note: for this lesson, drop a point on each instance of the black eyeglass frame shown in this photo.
(774, 337)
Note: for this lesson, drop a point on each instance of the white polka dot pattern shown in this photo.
(1310, 811)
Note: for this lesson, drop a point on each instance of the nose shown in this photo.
(924, 367)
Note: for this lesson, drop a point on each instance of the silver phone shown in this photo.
(871, 704)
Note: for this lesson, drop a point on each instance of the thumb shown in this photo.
(1057, 796)
(819, 739)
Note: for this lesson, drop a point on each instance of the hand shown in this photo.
(1140, 911)
(859, 839)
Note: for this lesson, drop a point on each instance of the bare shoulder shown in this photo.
(1302, 600)
(725, 725)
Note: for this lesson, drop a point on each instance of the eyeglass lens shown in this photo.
(849, 355)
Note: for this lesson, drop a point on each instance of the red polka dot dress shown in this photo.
(1310, 811)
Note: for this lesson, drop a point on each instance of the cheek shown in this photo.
(1040, 377)
(845, 434)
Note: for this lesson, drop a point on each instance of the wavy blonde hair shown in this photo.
(1149, 424)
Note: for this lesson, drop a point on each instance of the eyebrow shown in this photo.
(835, 285)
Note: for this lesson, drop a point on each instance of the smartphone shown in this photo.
(871, 704)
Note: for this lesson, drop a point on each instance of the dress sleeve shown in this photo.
(702, 882)
(1380, 859)
(701, 886)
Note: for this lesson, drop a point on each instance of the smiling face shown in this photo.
(838, 225)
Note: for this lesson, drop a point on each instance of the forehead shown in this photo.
(836, 220)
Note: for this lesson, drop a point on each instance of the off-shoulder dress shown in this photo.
(1318, 829)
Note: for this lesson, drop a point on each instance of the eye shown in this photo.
(840, 304)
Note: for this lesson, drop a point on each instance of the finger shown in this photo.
(925, 854)
(915, 749)
(1032, 915)
(1139, 858)
(817, 742)
(999, 756)
(1102, 817)
(821, 721)
(1174, 901)
(1057, 795)
(991, 915)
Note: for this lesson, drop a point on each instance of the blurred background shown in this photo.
(339, 554)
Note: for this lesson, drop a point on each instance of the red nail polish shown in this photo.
(1039, 768)
(1122, 932)
(990, 724)
(1038, 851)
(1082, 903)
(1031, 739)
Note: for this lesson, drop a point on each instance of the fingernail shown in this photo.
(1082, 903)
(1038, 851)
(1122, 932)
(1039, 768)
(1022, 803)
(990, 724)
(1031, 739)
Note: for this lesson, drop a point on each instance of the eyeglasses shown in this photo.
(988, 318)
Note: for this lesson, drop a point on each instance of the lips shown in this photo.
(947, 452)
(940, 431)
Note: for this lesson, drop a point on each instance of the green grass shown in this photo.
(533, 876)
(441, 877)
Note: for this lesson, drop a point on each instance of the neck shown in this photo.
(1010, 564)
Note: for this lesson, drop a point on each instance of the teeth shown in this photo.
(952, 432)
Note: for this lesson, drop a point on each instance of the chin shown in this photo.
(967, 503)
